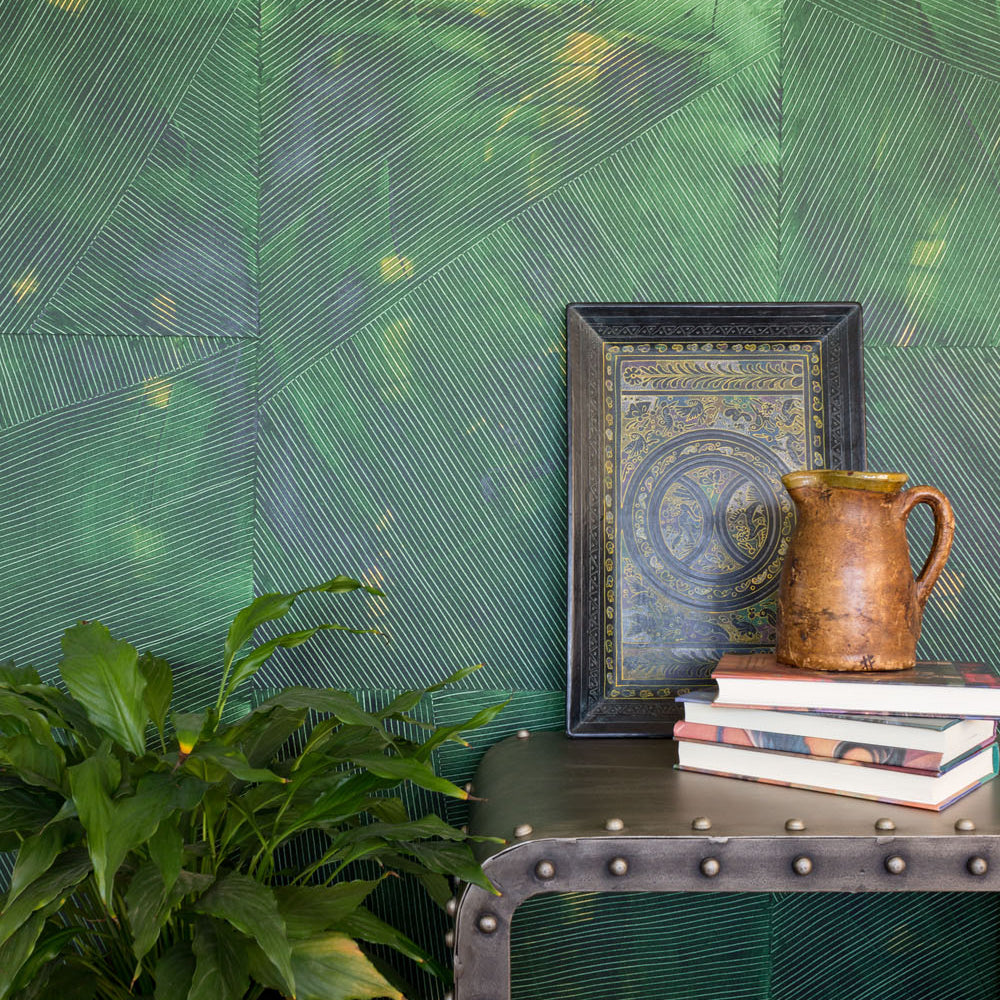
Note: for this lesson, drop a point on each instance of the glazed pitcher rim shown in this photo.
(877, 482)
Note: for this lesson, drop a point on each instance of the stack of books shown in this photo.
(922, 737)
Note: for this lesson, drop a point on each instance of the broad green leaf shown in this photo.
(23, 810)
(68, 870)
(46, 949)
(333, 967)
(149, 903)
(31, 762)
(389, 809)
(159, 688)
(145, 905)
(363, 925)
(114, 827)
(222, 970)
(262, 733)
(103, 675)
(166, 849)
(408, 769)
(34, 859)
(18, 677)
(252, 909)
(309, 909)
(16, 950)
(339, 704)
(174, 972)
(233, 761)
(66, 979)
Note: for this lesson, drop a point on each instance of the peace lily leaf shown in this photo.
(174, 972)
(270, 607)
(166, 849)
(33, 762)
(232, 761)
(159, 688)
(116, 827)
(363, 925)
(262, 733)
(444, 733)
(66, 979)
(450, 859)
(188, 727)
(408, 769)
(34, 859)
(23, 810)
(429, 826)
(16, 950)
(252, 909)
(333, 967)
(246, 667)
(17, 677)
(339, 704)
(69, 869)
(221, 969)
(309, 909)
(149, 903)
(458, 675)
(45, 950)
(103, 675)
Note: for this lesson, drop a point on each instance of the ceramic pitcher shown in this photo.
(847, 599)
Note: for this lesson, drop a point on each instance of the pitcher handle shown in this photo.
(944, 531)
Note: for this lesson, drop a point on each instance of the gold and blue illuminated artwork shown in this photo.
(700, 410)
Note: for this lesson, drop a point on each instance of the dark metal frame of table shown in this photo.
(616, 816)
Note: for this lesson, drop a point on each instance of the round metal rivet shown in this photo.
(964, 825)
(545, 870)
(895, 865)
(449, 995)
(451, 907)
(977, 866)
(523, 830)
(523, 734)
(449, 939)
(469, 787)
(614, 824)
(794, 824)
(710, 867)
(884, 823)
(802, 866)
(487, 923)
(618, 866)
(701, 823)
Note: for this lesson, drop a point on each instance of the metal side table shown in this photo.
(613, 815)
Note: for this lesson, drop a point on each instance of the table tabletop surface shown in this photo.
(571, 788)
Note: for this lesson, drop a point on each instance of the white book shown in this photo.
(842, 777)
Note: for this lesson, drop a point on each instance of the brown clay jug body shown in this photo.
(847, 599)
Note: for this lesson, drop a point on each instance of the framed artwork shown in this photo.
(682, 420)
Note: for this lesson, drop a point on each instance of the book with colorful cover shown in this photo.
(921, 742)
(934, 688)
(851, 752)
(864, 781)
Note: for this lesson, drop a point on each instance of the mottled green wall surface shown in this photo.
(282, 287)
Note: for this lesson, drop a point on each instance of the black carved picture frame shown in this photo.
(682, 418)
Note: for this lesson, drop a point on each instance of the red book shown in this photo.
(959, 690)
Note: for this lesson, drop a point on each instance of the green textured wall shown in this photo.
(282, 288)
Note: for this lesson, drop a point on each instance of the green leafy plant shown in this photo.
(153, 845)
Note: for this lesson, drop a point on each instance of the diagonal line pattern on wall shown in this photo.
(375, 175)
(89, 90)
